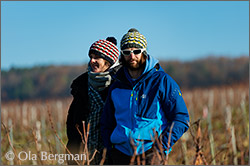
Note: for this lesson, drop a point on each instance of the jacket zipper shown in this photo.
(131, 108)
(133, 105)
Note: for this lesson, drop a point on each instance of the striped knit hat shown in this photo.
(107, 49)
(133, 39)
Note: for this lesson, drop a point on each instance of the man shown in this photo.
(90, 91)
(144, 106)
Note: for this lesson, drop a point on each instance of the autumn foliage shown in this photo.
(43, 82)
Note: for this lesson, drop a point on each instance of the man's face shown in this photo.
(134, 61)
(98, 64)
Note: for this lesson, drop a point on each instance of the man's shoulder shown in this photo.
(164, 77)
(159, 74)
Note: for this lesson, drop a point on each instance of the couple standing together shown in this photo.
(133, 107)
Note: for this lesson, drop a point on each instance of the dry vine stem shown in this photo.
(169, 139)
(199, 158)
(52, 126)
(103, 156)
(37, 149)
(84, 138)
(132, 160)
(143, 155)
(12, 147)
(155, 149)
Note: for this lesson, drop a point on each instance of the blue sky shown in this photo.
(42, 33)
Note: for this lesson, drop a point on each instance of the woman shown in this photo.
(89, 92)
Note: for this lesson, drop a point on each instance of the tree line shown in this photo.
(44, 82)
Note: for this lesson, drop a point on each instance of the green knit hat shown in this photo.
(133, 39)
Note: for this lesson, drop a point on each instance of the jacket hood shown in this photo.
(150, 63)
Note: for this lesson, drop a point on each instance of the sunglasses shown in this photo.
(128, 52)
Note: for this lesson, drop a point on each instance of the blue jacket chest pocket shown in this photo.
(148, 105)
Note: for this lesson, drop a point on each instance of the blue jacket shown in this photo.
(135, 107)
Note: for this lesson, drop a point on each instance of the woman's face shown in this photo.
(98, 64)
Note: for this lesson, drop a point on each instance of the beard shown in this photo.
(140, 63)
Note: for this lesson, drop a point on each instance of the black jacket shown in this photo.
(78, 112)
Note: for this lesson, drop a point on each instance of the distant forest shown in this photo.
(44, 82)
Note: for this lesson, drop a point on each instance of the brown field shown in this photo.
(222, 138)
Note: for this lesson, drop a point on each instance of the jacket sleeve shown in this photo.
(175, 111)
(108, 122)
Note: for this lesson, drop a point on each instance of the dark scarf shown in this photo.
(96, 105)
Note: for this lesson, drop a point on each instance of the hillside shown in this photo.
(43, 82)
